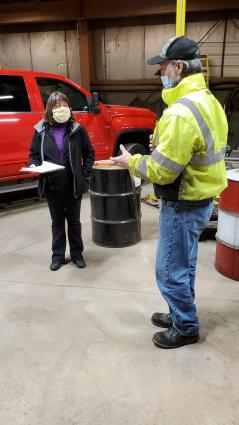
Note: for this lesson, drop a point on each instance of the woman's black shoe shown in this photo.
(55, 266)
(172, 339)
(162, 320)
(80, 262)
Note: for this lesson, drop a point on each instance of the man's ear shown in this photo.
(179, 66)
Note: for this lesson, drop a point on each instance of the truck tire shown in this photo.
(134, 148)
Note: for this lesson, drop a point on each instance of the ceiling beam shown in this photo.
(37, 11)
(64, 11)
(93, 9)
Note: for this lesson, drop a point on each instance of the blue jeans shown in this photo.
(181, 223)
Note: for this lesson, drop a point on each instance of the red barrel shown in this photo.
(227, 249)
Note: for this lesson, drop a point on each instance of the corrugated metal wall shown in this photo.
(121, 51)
(55, 51)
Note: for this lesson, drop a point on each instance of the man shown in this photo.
(188, 170)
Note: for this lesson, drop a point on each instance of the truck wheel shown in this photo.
(134, 148)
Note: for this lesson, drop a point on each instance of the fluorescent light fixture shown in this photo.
(6, 97)
(9, 119)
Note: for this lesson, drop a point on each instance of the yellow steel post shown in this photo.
(180, 17)
(207, 71)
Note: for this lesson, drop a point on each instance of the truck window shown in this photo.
(47, 86)
(13, 94)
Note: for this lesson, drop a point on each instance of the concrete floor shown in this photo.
(75, 346)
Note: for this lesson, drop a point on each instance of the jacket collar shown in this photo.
(187, 85)
(75, 127)
(40, 126)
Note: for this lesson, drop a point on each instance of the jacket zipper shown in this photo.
(42, 159)
(72, 169)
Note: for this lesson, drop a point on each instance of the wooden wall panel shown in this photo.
(233, 31)
(124, 52)
(155, 37)
(231, 65)
(196, 30)
(213, 45)
(73, 55)
(49, 51)
(121, 52)
(15, 51)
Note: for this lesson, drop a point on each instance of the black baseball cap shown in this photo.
(176, 48)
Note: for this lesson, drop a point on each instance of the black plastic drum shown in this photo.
(115, 206)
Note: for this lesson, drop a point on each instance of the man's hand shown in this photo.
(123, 159)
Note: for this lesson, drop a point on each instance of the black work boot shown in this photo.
(172, 339)
(162, 320)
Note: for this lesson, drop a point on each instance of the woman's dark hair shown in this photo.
(54, 98)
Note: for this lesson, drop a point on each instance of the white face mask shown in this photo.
(170, 79)
(61, 114)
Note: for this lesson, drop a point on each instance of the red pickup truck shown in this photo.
(23, 97)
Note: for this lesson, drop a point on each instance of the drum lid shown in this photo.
(233, 174)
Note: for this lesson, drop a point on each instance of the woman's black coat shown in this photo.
(78, 156)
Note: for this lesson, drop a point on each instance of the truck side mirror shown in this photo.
(95, 103)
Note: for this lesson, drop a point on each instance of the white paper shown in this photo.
(46, 167)
(137, 181)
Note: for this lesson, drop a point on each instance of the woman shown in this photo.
(61, 140)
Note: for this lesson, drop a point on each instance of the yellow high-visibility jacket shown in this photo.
(190, 139)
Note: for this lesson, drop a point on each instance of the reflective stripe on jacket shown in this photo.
(190, 139)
